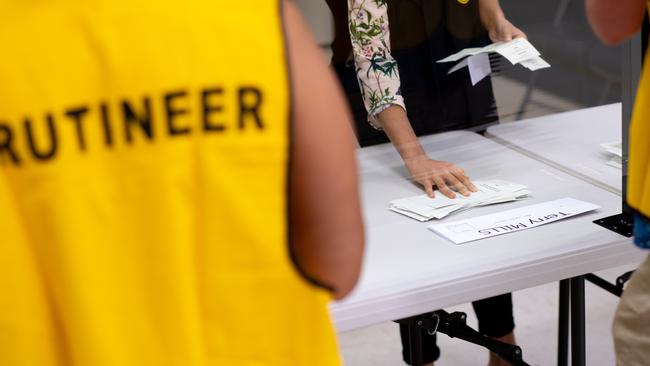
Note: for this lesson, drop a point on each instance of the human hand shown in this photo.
(441, 174)
(501, 30)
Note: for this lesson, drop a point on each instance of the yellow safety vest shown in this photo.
(144, 149)
(638, 186)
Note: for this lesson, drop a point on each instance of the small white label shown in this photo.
(511, 221)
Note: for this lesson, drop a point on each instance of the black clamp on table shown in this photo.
(455, 326)
(615, 289)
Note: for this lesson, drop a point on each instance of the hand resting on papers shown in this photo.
(441, 174)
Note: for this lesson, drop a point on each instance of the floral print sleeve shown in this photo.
(376, 68)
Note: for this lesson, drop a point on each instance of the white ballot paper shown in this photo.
(464, 53)
(614, 148)
(423, 208)
(535, 63)
(616, 162)
(517, 51)
(479, 67)
(458, 66)
(511, 221)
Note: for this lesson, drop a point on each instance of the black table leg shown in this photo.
(578, 321)
(563, 324)
(415, 338)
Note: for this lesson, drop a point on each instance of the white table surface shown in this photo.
(569, 141)
(409, 270)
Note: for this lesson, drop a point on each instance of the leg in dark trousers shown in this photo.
(430, 350)
(494, 315)
(495, 320)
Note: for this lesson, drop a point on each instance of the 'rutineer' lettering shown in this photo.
(130, 121)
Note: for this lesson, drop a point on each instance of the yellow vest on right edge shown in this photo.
(638, 183)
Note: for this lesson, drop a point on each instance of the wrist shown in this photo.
(410, 151)
(415, 159)
(398, 128)
(491, 16)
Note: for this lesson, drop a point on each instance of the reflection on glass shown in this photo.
(585, 73)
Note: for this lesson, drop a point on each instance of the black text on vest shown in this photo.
(172, 114)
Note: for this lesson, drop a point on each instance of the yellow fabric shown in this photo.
(638, 189)
(145, 222)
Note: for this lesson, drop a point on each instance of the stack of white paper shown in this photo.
(423, 208)
(616, 149)
(518, 51)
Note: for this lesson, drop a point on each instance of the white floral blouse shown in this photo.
(376, 68)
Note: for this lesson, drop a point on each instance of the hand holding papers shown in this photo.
(511, 221)
(423, 208)
(517, 51)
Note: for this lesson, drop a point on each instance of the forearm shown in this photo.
(326, 230)
(395, 123)
(615, 20)
(490, 12)
(378, 73)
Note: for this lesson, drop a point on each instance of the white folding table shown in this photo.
(409, 270)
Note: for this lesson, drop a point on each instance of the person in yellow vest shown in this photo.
(614, 21)
(169, 190)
